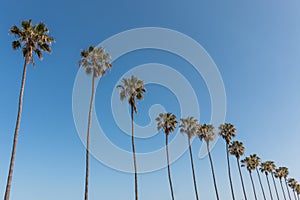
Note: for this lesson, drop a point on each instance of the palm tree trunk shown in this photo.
(262, 188)
(212, 170)
(238, 162)
(193, 170)
(133, 152)
(269, 187)
(287, 188)
(169, 171)
(295, 194)
(253, 185)
(86, 192)
(275, 186)
(16, 134)
(282, 189)
(229, 173)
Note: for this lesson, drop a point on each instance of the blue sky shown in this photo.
(254, 44)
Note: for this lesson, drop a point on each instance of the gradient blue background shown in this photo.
(255, 45)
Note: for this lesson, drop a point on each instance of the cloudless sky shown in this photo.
(255, 45)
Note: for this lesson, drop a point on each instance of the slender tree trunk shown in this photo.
(229, 173)
(275, 186)
(212, 170)
(193, 170)
(133, 152)
(253, 185)
(287, 188)
(16, 134)
(241, 176)
(86, 192)
(269, 187)
(261, 186)
(295, 194)
(282, 189)
(169, 171)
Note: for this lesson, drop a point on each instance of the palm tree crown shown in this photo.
(31, 38)
(167, 122)
(297, 189)
(255, 160)
(95, 61)
(133, 88)
(237, 149)
(267, 167)
(189, 126)
(281, 172)
(206, 132)
(227, 131)
(248, 163)
(292, 183)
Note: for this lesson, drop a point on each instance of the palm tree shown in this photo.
(206, 133)
(297, 189)
(133, 89)
(286, 182)
(31, 39)
(280, 173)
(248, 163)
(95, 61)
(271, 167)
(228, 131)
(267, 167)
(237, 149)
(167, 122)
(189, 126)
(256, 162)
(293, 183)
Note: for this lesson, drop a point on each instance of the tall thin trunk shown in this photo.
(287, 188)
(169, 171)
(238, 162)
(269, 187)
(261, 186)
(16, 134)
(229, 173)
(282, 189)
(86, 192)
(133, 152)
(275, 185)
(253, 185)
(294, 194)
(193, 170)
(212, 170)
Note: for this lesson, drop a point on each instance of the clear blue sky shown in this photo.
(255, 45)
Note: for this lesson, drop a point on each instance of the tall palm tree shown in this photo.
(95, 62)
(267, 167)
(189, 126)
(133, 89)
(271, 168)
(206, 133)
(31, 39)
(237, 149)
(297, 189)
(167, 122)
(286, 182)
(228, 131)
(280, 173)
(256, 162)
(293, 184)
(248, 163)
